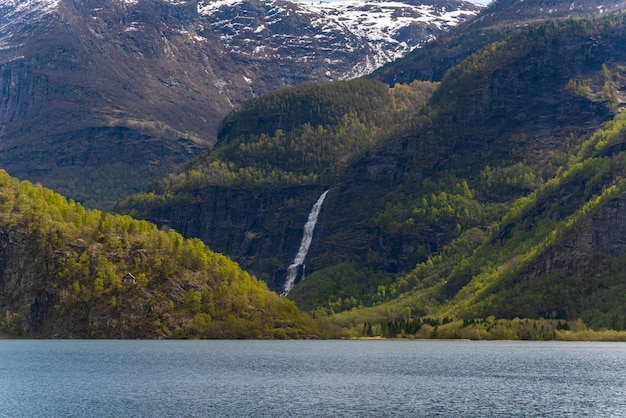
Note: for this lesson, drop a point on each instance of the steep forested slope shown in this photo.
(557, 254)
(560, 250)
(428, 184)
(66, 272)
(250, 196)
(499, 125)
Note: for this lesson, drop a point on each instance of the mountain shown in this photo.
(68, 272)
(556, 256)
(338, 40)
(250, 196)
(493, 24)
(101, 97)
(497, 182)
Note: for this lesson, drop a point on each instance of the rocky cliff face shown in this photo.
(25, 281)
(580, 277)
(602, 236)
(99, 97)
(261, 230)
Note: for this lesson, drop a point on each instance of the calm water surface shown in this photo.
(311, 379)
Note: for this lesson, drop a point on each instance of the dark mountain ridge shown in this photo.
(493, 24)
(101, 97)
(498, 126)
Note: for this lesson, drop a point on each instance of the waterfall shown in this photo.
(307, 237)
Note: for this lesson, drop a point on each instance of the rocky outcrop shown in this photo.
(260, 230)
(28, 295)
(601, 236)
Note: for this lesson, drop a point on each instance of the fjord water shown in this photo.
(45, 378)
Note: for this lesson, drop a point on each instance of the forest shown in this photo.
(73, 266)
(481, 176)
(484, 203)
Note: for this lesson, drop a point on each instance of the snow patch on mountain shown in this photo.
(12, 12)
(174, 2)
(380, 22)
(33, 6)
(379, 19)
(386, 29)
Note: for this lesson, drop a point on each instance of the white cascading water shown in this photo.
(307, 237)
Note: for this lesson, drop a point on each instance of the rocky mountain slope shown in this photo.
(557, 254)
(424, 183)
(101, 97)
(496, 22)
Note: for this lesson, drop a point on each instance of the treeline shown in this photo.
(72, 272)
(490, 328)
(299, 135)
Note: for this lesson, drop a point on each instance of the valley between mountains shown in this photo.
(473, 188)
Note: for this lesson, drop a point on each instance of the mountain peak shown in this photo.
(97, 88)
(383, 30)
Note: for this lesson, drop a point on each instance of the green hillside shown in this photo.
(557, 257)
(495, 182)
(249, 196)
(68, 272)
(298, 135)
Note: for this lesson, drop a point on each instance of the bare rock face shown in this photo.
(260, 230)
(25, 283)
(579, 277)
(602, 235)
(100, 97)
